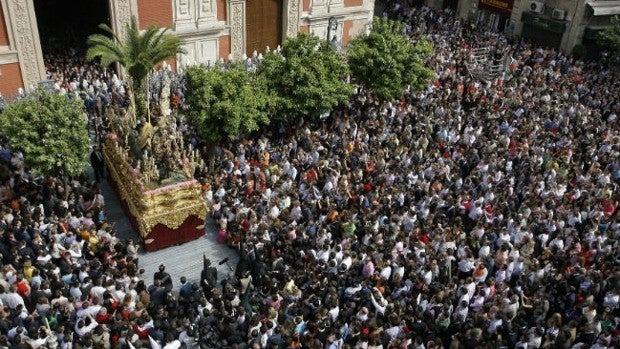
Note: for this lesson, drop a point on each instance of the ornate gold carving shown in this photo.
(168, 205)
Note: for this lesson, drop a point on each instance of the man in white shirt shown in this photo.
(378, 301)
(465, 265)
(461, 311)
(81, 328)
(12, 299)
(97, 291)
(494, 323)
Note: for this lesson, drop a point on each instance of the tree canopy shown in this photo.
(138, 52)
(386, 60)
(225, 103)
(50, 130)
(307, 77)
(610, 36)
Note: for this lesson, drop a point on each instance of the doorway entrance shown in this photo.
(263, 25)
(64, 25)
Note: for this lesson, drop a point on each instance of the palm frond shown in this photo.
(138, 52)
(106, 48)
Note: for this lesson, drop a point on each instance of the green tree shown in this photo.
(307, 76)
(50, 130)
(225, 103)
(610, 36)
(386, 60)
(138, 53)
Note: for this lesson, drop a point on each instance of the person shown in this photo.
(185, 292)
(132, 251)
(521, 189)
(208, 276)
(164, 278)
(98, 163)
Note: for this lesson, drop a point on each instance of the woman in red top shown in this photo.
(311, 175)
(608, 207)
(423, 237)
(141, 329)
(22, 287)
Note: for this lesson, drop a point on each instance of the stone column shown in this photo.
(291, 18)
(24, 38)
(121, 12)
(236, 20)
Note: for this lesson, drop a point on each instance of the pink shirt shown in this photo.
(369, 269)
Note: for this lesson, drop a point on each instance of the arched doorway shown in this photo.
(65, 25)
(263, 25)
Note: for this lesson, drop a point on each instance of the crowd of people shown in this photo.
(472, 214)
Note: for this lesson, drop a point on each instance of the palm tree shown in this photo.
(138, 53)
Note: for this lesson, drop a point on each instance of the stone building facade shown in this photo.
(210, 29)
(561, 24)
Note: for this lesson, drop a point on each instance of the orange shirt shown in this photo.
(333, 215)
(265, 159)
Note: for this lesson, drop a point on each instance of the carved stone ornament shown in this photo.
(122, 13)
(206, 8)
(183, 8)
(237, 28)
(27, 43)
(292, 26)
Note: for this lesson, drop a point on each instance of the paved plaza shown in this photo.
(181, 260)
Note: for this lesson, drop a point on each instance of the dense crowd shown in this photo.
(473, 214)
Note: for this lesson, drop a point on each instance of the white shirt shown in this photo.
(380, 304)
(334, 312)
(91, 311)
(558, 243)
(494, 324)
(611, 300)
(477, 304)
(484, 251)
(97, 291)
(12, 300)
(274, 212)
(81, 331)
(387, 272)
(460, 313)
(465, 265)
(428, 277)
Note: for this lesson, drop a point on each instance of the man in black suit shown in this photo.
(208, 276)
(163, 277)
(96, 161)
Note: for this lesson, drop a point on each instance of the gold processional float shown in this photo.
(152, 171)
